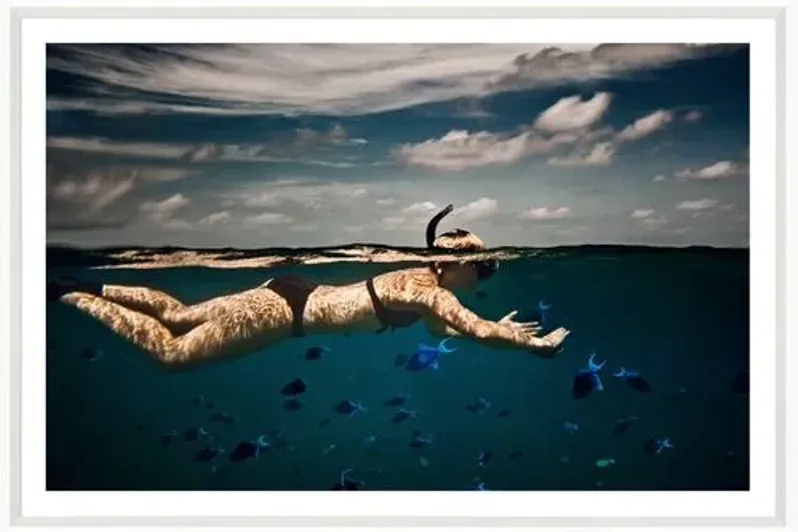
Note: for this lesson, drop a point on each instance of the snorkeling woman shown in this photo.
(292, 306)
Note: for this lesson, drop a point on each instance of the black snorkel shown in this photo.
(432, 226)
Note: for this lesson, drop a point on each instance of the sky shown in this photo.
(255, 146)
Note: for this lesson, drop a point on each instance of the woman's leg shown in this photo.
(240, 330)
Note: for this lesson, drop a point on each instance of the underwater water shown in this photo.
(680, 317)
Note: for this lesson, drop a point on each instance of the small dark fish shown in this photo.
(402, 415)
(91, 355)
(420, 441)
(398, 399)
(415, 434)
(484, 457)
(280, 441)
(208, 453)
(481, 294)
(349, 408)
(293, 388)
(657, 445)
(316, 352)
(479, 406)
(587, 380)
(503, 412)
(517, 454)
(539, 314)
(742, 382)
(633, 379)
(345, 483)
(168, 437)
(651, 445)
(222, 417)
(293, 404)
(138, 426)
(324, 422)
(195, 434)
(199, 400)
(248, 449)
(401, 360)
(622, 425)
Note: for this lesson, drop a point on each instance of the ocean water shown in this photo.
(680, 317)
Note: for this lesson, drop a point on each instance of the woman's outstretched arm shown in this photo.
(447, 314)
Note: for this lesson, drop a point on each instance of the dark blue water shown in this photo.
(680, 317)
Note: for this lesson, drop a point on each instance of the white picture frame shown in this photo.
(21, 234)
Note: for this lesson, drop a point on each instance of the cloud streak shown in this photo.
(335, 79)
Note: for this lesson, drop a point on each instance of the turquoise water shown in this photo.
(680, 317)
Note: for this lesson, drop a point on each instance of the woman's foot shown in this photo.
(65, 285)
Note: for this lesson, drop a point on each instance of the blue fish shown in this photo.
(587, 380)
(208, 454)
(168, 437)
(398, 399)
(633, 379)
(420, 441)
(426, 356)
(479, 406)
(248, 449)
(346, 483)
(657, 445)
(484, 457)
(195, 434)
(539, 314)
(402, 414)
(349, 408)
(622, 425)
(570, 427)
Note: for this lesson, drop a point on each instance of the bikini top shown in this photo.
(296, 290)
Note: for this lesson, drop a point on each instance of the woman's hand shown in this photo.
(530, 328)
(551, 344)
(548, 345)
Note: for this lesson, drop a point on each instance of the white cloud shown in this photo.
(95, 191)
(718, 170)
(103, 145)
(659, 178)
(269, 218)
(296, 147)
(162, 212)
(481, 208)
(167, 206)
(304, 228)
(546, 213)
(693, 116)
(642, 127)
(420, 208)
(335, 79)
(573, 113)
(554, 64)
(697, 205)
(221, 217)
(655, 221)
(393, 220)
(385, 202)
(641, 213)
(308, 193)
(601, 155)
(459, 149)
(261, 200)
